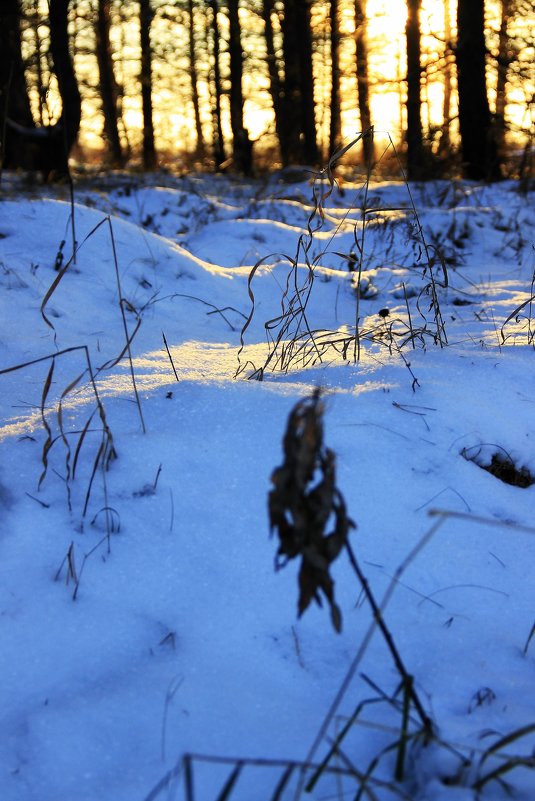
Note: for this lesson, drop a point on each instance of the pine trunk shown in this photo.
(217, 91)
(108, 85)
(335, 128)
(275, 84)
(478, 143)
(145, 22)
(308, 113)
(200, 146)
(363, 83)
(241, 144)
(414, 137)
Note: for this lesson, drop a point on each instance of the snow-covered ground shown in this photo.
(141, 617)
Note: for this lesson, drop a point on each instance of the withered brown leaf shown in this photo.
(302, 502)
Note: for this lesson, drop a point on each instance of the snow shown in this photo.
(152, 624)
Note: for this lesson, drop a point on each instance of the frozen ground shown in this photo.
(182, 639)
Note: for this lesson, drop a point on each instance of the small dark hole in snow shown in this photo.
(501, 466)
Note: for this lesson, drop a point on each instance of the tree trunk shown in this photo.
(241, 145)
(44, 149)
(445, 144)
(292, 152)
(478, 142)
(108, 85)
(363, 84)
(200, 147)
(145, 20)
(217, 91)
(335, 127)
(275, 84)
(14, 101)
(38, 60)
(71, 112)
(306, 77)
(504, 61)
(414, 137)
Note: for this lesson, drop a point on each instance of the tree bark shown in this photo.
(145, 20)
(445, 144)
(45, 149)
(363, 82)
(200, 146)
(71, 112)
(478, 143)
(241, 144)
(414, 136)
(14, 101)
(292, 151)
(108, 85)
(335, 127)
(504, 61)
(308, 115)
(217, 91)
(275, 83)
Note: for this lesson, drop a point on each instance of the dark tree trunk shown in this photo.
(64, 70)
(200, 147)
(478, 143)
(292, 149)
(108, 85)
(363, 83)
(241, 144)
(335, 127)
(217, 91)
(299, 122)
(415, 151)
(504, 61)
(44, 149)
(275, 84)
(308, 115)
(14, 102)
(145, 20)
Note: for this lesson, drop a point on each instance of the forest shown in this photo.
(267, 386)
(252, 85)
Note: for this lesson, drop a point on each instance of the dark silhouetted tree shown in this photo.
(478, 138)
(241, 144)
(363, 82)
(45, 149)
(192, 55)
(335, 127)
(298, 144)
(146, 15)
(216, 90)
(107, 85)
(414, 136)
(276, 90)
(308, 106)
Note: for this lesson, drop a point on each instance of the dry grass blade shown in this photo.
(170, 357)
(530, 637)
(509, 763)
(122, 304)
(80, 443)
(48, 442)
(106, 452)
(293, 341)
(225, 793)
(283, 782)
(57, 280)
(188, 777)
